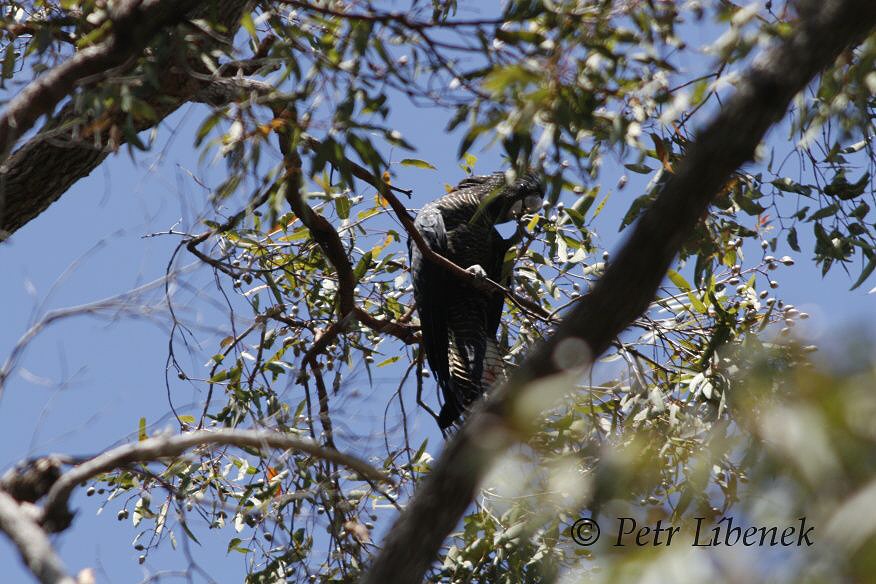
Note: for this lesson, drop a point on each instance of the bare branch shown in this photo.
(322, 232)
(228, 89)
(32, 542)
(56, 516)
(403, 332)
(629, 284)
(119, 301)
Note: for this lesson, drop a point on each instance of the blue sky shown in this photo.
(85, 382)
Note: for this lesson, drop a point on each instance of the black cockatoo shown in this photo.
(459, 322)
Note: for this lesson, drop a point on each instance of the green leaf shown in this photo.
(141, 433)
(469, 139)
(389, 361)
(233, 545)
(792, 239)
(842, 189)
(749, 206)
(639, 168)
(367, 213)
(227, 188)
(221, 376)
(582, 205)
(679, 281)
(696, 303)
(501, 78)
(636, 208)
(342, 206)
(515, 37)
(861, 210)
(470, 161)
(142, 111)
(189, 532)
(362, 265)
(131, 136)
(828, 211)
(205, 128)
(789, 186)
(9, 61)
(865, 273)
(298, 235)
(248, 25)
(95, 35)
(684, 286)
(274, 367)
(416, 457)
(417, 163)
(600, 206)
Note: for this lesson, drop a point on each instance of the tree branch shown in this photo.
(57, 517)
(41, 170)
(32, 542)
(326, 236)
(118, 302)
(134, 24)
(626, 289)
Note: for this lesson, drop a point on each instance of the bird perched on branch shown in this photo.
(459, 321)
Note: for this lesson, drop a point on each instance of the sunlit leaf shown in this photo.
(417, 163)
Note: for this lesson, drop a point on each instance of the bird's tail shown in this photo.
(474, 369)
(495, 369)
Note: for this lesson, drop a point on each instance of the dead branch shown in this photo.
(117, 302)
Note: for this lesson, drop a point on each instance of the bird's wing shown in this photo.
(429, 280)
(472, 181)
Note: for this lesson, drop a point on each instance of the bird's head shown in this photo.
(525, 195)
(505, 200)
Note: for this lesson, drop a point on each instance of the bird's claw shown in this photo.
(478, 271)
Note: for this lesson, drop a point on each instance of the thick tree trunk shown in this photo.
(629, 284)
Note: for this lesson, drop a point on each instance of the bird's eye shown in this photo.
(532, 203)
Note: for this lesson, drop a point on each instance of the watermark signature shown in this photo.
(626, 531)
(585, 532)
